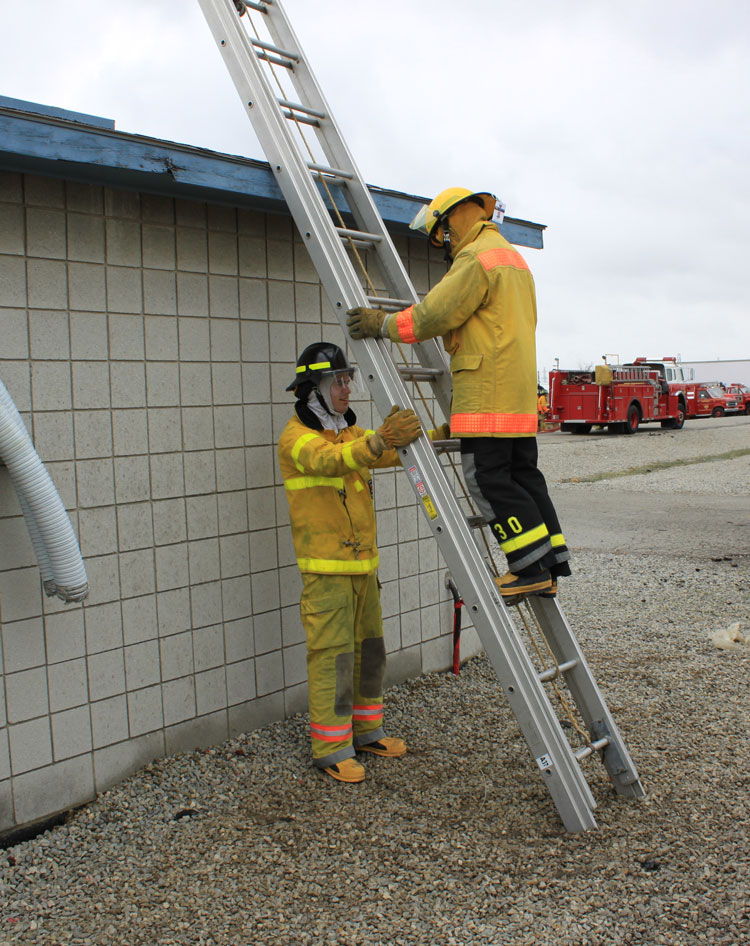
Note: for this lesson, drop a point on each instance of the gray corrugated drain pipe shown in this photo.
(50, 530)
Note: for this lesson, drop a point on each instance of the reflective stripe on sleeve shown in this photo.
(500, 256)
(493, 424)
(405, 325)
(557, 540)
(348, 458)
(296, 449)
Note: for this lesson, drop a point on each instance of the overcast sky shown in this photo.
(621, 126)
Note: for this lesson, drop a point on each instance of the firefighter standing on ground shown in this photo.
(541, 405)
(485, 309)
(325, 461)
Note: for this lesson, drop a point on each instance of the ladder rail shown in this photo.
(302, 185)
(359, 198)
(524, 691)
(588, 697)
(565, 782)
(293, 174)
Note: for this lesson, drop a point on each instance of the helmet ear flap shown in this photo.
(302, 391)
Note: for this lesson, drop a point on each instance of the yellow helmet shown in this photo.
(431, 218)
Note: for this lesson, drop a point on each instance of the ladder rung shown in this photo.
(416, 373)
(553, 672)
(296, 107)
(334, 172)
(586, 751)
(396, 304)
(269, 47)
(447, 446)
(302, 119)
(276, 61)
(260, 7)
(358, 235)
(476, 522)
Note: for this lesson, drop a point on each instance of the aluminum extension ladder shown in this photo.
(314, 187)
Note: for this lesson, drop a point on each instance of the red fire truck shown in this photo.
(700, 398)
(710, 400)
(619, 397)
(742, 393)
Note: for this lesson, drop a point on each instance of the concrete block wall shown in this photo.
(147, 342)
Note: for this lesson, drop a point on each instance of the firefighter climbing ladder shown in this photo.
(317, 190)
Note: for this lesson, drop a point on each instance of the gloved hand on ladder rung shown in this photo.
(398, 429)
(365, 323)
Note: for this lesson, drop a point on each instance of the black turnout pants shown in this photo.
(510, 491)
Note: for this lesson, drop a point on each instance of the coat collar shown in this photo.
(473, 233)
(310, 420)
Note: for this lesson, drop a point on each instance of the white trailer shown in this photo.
(727, 371)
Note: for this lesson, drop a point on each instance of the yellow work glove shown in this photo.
(443, 432)
(400, 427)
(365, 323)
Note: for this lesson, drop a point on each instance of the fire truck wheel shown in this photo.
(676, 423)
(633, 421)
(717, 412)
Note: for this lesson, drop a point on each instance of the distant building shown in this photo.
(729, 371)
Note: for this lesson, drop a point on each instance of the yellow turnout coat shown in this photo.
(329, 488)
(485, 309)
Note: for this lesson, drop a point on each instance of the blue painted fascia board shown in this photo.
(23, 106)
(57, 146)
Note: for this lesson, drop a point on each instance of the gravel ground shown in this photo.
(569, 456)
(458, 843)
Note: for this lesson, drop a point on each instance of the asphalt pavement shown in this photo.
(704, 510)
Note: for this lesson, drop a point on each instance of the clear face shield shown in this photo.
(419, 222)
(435, 232)
(339, 388)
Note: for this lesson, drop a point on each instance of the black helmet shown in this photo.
(318, 360)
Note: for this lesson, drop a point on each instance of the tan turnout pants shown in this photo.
(345, 663)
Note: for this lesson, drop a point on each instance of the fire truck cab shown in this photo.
(742, 394)
(713, 401)
(668, 367)
(677, 377)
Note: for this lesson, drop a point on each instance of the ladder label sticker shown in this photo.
(416, 478)
(544, 762)
(421, 489)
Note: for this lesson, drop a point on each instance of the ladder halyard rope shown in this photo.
(565, 704)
